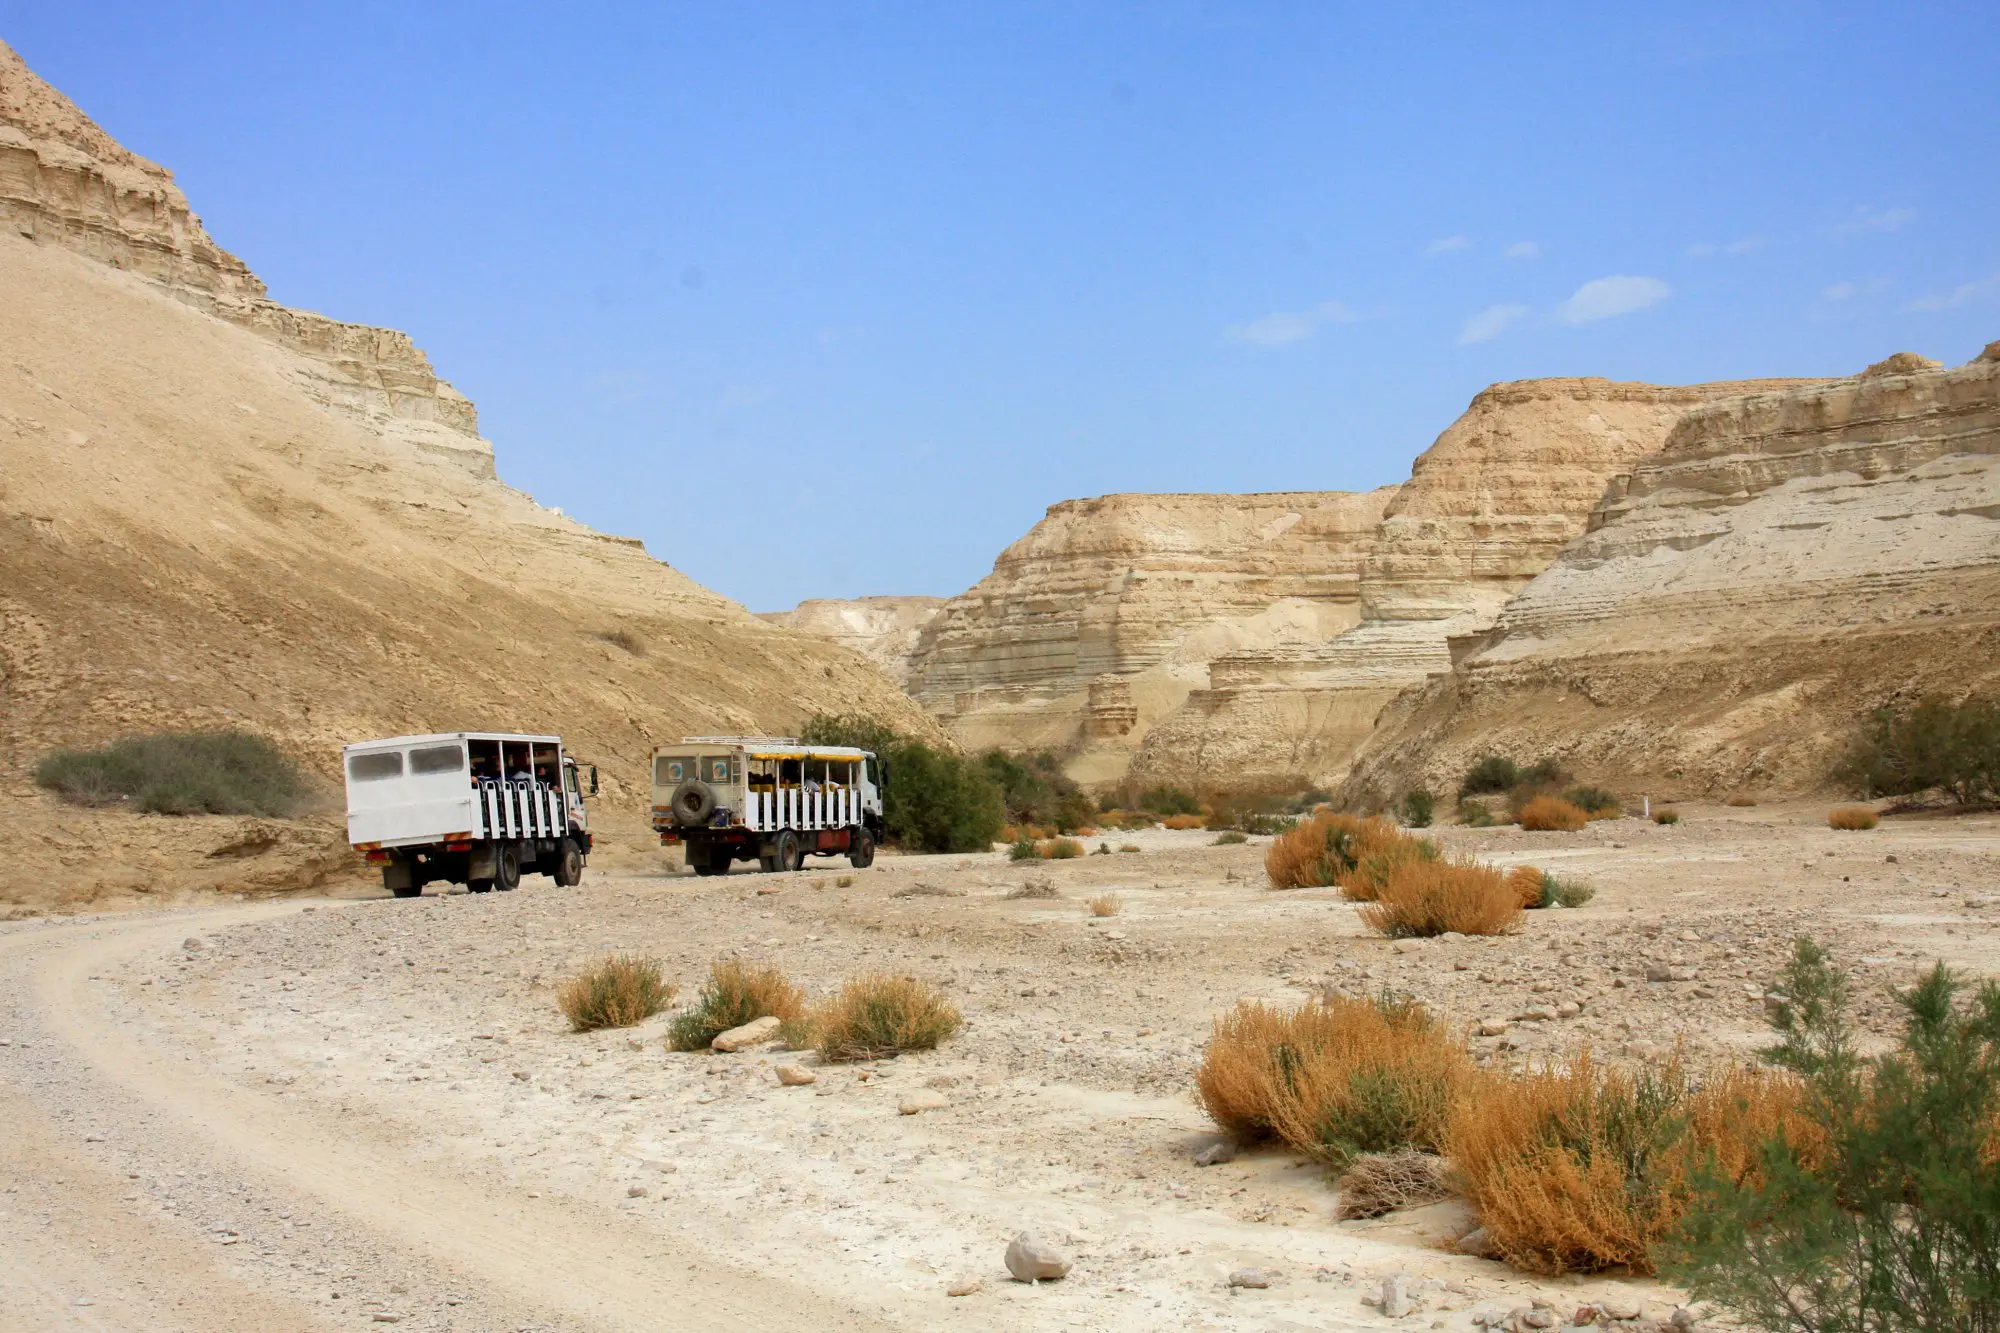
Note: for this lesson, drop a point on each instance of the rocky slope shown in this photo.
(1788, 561)
(216, 511)
(1100, 621)
(883, 629)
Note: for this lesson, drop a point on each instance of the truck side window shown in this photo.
(437, 759)
(375, 767)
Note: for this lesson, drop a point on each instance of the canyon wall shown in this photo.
(65, 182)
(1789, 560)
(198, 534)
(1103, 618)
(885, 630)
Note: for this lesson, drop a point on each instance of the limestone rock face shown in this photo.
(1101, 619)
(65, 182)
(1790, 559)
(195, 536)
(883, 629)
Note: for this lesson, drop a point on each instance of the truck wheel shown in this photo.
(507, 868)
(861, 851)
(568, 869)
(789, 856)
(767, 864)
(479, 886)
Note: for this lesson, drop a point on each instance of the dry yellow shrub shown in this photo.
(877, 1015)
(1357, 854)
(1526, 882)
(1184, 821)
(1552, 814)
(1581, 1167)
(1236, 1083)
(1433, 897)
(1852, 817)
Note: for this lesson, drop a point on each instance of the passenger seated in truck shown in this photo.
(484, 767)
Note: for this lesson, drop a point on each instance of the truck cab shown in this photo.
(471, 808)
(773, 799)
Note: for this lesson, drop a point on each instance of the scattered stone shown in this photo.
(1409, 946)
(191, 945)
(1031, 1259)
(1682, 1318)
(1477, 1244)
(916, 1103)
(93, 1138)
(1619, 1307)
(1540, 1319)
(1540, 1013)
(1395, 1299)
(635, 1191)
(388, 1317)
(965, 1286)
(1215, 1154)
(1568, 1009)
(796, 1076)
(1659, 972)
(1255, 1278)
(1492, 1027)
(754, 1033)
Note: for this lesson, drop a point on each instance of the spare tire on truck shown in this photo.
(693, 802)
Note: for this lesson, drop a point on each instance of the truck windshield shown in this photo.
(438, 759)
(375, 767)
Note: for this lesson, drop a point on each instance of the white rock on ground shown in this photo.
(754, 1033)
(1032, 1259)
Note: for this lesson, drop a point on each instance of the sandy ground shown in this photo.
(317, 1114)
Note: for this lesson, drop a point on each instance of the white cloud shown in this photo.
(1522, 250)
(1446, 244)
(1602, 298)
(1742, 247)
(1490, 323)
(1963, 294)
(1877, 219)
(1284, 327)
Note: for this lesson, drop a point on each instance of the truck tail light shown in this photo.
(379, 858)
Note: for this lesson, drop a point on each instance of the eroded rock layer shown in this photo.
(1101, 619)
(195, 535)
(64, 181)
(883, 629)
(1788, 561)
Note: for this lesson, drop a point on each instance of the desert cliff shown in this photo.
(1789, 560)
(218, 512)
(885, 630)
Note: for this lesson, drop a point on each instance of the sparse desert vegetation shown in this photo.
(1551, 814)
(735, 993)
(1106, 904)
(1852, 818)
(614, 992)
(1425, 897)
(1229, 838)
(1937, 745)
(1666, 815)
(878, 1015)
(225, 772)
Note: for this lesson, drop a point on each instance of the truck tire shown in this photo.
(567, 871)
(789, 856)
(693, 802)
(507, 868)
(861, 850)
(479, 886)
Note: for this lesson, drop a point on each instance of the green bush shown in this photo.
(1666, 814)
(1934, 746)
(734, 995)
(180, 773)
(1592, 800)
(1887, 1217)
(1168, 800)
(1035, 790)
(1564, 892)
(936, 800)
(1229, 838)
(1024, 849)
(1489, 773)
(1474, 814)
(1418, 806)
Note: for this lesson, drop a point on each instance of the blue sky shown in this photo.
(833, 299)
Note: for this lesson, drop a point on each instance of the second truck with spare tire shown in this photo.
(771, 799)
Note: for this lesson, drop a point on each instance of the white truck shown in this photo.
(771, 798)
(467, 807)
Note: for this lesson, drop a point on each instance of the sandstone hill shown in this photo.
(215, 510)
(1246, 640)
(883, 629)
(1788, 561)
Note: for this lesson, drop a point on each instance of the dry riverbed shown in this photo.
(368, 1110)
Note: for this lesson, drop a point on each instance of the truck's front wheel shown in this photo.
(507, 868)
(569, 864)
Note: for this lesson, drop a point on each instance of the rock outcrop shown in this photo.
(197, 534)
(1101, 620)
(1789, 560)
(883, 629)
(64, 181)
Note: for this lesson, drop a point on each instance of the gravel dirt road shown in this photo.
(323, 1114)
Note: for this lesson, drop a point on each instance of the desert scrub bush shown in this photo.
(1339, 849)
(1595, 802)
(1852, 817)
(1106, 904)
(1034, 888)
(1568, 892)
(1035, 790)
(1103, 849)
(1935, 745)
(1229, 838)
(1418, 808)
(1474, 814)
(1666, 814)
(734, 994)
(180, 773)
(1129, 847)
(1741, 801)
(1532, 888)
(1024, 849)
(1377, 1183)
(1335, 1078)
(1168, 800)
(844, 882)
(1581, 1167)
(1552, 814)
(1260, 824)
(1489, 773)
(1431, 897)
(1184, 822)
(1059, 849)
(1884, 1214)
(623, 638)
(614, 992)
(935, 800)
(877, 1015)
